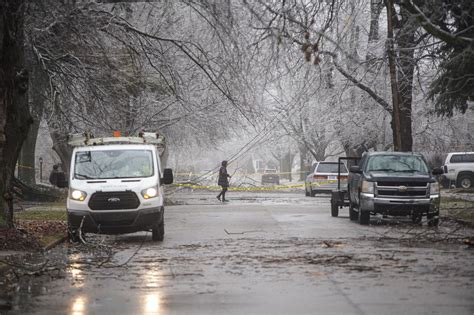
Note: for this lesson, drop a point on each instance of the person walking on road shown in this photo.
(223, 181)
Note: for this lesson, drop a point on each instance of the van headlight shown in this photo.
(151, 192)
(78, 195)
(434, 188)
(367, 187)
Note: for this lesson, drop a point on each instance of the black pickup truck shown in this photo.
(393, 183)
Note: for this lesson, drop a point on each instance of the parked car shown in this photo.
(323, 178)
(459, 169)
(393, 183)
(270, 176)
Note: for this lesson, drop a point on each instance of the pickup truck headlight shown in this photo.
(78, 195)
(434, 188)
(367, 187)
(151, 192)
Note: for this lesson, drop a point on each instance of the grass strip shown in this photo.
(42, 215)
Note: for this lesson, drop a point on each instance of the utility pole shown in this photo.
(41, 169)
(289, 159)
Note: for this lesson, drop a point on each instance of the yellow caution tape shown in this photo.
(260, 188)
(215, 172)
(24, 166)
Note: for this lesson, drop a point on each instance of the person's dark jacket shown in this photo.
(223, 177)
(58, 179)
(53, 177)
(62, 182)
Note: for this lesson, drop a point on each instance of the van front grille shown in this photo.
(114, 200)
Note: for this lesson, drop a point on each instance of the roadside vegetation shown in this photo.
(36, 228)
(458, 209)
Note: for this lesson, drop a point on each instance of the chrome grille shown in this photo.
(402, 190)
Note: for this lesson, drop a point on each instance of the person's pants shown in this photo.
(222, 193)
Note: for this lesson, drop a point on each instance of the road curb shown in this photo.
(55, 243)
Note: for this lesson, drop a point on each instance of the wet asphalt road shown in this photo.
(261, 253)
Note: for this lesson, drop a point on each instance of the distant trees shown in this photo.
(330, 32)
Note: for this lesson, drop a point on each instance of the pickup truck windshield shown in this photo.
(108, 164)
(397, 163)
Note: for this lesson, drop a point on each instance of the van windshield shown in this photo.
(397, 163)
(108, 164)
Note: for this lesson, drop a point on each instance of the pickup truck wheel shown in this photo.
(416, 218)
(364, 217)
(334, 209)
(465, 181)
(353, 215)
(433, 219)
(158, 232)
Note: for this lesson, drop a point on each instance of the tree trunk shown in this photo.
(36, 92)
(59, 134)
(63, 150)
(304, 165)
(26, 161)
(375, 10)
(397, 140)
(405, 70)
(15, 118)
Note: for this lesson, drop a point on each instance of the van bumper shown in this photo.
(114, 222)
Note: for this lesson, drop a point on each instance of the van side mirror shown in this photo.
(437, 171)
(167, 176)
(355, 169)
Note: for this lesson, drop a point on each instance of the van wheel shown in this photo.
(158, 231)
(465, 181)
(72, 235)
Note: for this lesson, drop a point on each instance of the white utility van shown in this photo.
(116, 185)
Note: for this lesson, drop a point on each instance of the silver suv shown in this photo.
(459, 169)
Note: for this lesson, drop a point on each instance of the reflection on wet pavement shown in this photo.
(151, 304)
(79, 306)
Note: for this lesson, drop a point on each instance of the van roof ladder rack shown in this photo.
(86, 139)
